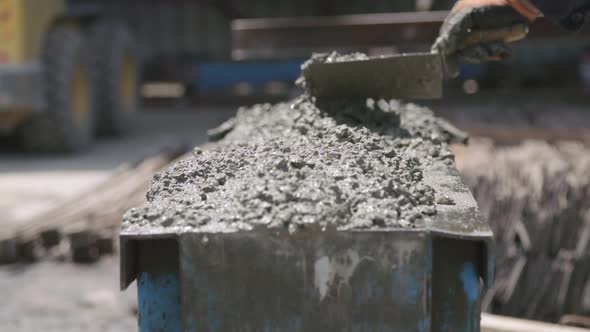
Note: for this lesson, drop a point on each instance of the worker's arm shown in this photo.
(477, 17)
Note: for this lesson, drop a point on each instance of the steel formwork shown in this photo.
(400, 279)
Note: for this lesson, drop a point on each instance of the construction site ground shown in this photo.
(52, 296)
(61, 296)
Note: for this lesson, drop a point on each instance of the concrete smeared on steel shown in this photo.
(334, 272)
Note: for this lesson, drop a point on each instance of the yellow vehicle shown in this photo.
(66, 75)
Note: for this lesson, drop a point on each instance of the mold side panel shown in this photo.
(158, 286)
(456, 288)
(344, 281)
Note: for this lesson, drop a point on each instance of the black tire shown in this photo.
(117, 78)
(67, 123)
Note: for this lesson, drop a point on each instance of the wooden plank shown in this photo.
(492, 323)
(517, 134)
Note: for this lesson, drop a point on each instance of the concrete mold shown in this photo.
(393, 280)
(312, 216)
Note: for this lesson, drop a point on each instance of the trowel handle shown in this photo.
(503, 35)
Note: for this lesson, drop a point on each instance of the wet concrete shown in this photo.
(331, 57)
(345, 164)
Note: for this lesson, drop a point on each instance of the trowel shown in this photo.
(406, 76)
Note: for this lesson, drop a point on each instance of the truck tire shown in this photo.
(67, 122)
(116, 78)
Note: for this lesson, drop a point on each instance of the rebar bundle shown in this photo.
(536, 197)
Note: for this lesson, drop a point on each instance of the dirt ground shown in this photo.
(66, 297)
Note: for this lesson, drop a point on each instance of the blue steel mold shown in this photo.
(424, 280)
(159, 294)
(311, 281)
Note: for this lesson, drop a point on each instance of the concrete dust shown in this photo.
(346, 164)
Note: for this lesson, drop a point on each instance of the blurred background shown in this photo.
(96, 96)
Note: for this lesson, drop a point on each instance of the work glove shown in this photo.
(478, 30)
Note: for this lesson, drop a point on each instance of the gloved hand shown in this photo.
(478, 30)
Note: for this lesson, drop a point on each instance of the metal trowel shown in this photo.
(406, 76)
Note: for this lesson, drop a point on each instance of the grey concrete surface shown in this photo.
(338, 164)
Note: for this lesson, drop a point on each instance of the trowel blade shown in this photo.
(404, 76)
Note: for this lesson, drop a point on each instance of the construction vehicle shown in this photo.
(67, 74)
